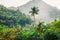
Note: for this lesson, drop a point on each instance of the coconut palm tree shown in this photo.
(34, 10)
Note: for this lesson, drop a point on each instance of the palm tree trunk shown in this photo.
(34, 21)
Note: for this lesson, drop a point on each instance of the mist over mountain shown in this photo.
(46, 13)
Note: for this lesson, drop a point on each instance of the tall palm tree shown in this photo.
(34, 10)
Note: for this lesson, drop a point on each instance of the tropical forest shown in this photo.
(16, 25)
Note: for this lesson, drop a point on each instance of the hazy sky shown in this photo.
(55, 3)
(16, 3)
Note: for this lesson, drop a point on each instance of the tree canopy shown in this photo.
(11, 17)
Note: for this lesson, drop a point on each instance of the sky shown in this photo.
(55, 3)
(15, 3)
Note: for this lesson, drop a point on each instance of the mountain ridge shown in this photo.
(45, 10)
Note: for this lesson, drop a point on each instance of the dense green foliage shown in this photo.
(10, 17)
(43, 31)
(53, 30)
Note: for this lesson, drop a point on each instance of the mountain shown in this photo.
(46, 13)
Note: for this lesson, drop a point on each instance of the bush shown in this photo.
(28, 35)
(7, 33)
(50, 36)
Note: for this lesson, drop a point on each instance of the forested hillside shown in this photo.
(11, 17)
